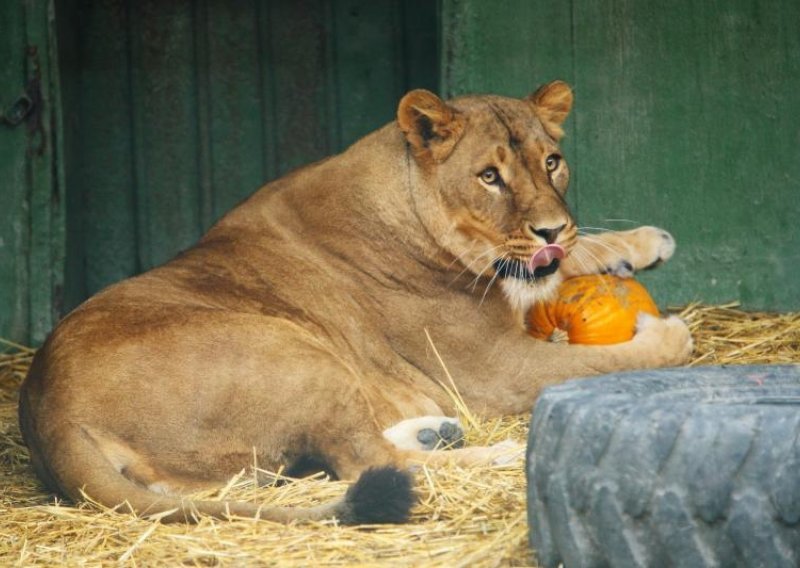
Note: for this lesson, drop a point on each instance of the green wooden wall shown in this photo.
(186, 107)
(156, 116)
(31, 179)
(687, 116)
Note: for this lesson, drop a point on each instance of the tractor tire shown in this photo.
(676, 467)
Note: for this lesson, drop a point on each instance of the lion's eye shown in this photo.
(490, 176)
(552, 162)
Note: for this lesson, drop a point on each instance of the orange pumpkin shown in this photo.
(592, 310)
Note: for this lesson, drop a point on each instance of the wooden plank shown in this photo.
(368, 49)
(497, 47)
(420, 57)
(267, 94)
(204, 80)
(69, 143)
(299, 48)
(46, 252)
(31, 218)
(14, 221)
(56, 168)
(165, 132)
(102, 193)
(229, 77)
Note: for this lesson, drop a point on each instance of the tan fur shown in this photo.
(297, 326)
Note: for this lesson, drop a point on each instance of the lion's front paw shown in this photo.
(622, 268)
(655, 246)
(664, 341)
(646, 248)
(620, 253)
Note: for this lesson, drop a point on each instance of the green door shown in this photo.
(31, 192)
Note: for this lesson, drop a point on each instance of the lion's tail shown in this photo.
(380, 495)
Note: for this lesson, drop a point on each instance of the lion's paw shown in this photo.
(426, 433)
(622, 268)
(655, 246)
(667, 341)
(626, 252)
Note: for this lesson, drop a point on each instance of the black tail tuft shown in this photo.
(381, 495)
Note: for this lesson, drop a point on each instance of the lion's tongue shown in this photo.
(545, 255)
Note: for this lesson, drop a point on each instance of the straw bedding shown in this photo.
(465, 517)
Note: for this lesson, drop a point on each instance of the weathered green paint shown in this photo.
(169, 113)
(165, 136)
(102, 204)
(69, 142)
(14, 316)
(31, 214)
(186, 108)
(230, 104)
(46, 255)
(299, 77)
(686, 117)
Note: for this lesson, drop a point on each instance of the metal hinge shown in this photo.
(16, 113)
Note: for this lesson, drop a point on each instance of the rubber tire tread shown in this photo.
(673, 467)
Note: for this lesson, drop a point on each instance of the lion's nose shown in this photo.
(549, 234)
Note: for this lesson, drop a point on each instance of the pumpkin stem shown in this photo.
(558, 336)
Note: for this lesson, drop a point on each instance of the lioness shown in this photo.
(301, 329)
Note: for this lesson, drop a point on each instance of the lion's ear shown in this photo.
(552, 103)
(431, 127)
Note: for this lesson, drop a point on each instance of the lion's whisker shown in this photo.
(580, 256)
(491, 263)
(462, 255)
(586, 230)
(598, 263)
(489, 285)
(480, 256)
(581, 260)
(503, 263)
(601, 243)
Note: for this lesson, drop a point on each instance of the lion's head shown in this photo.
(500, 181)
